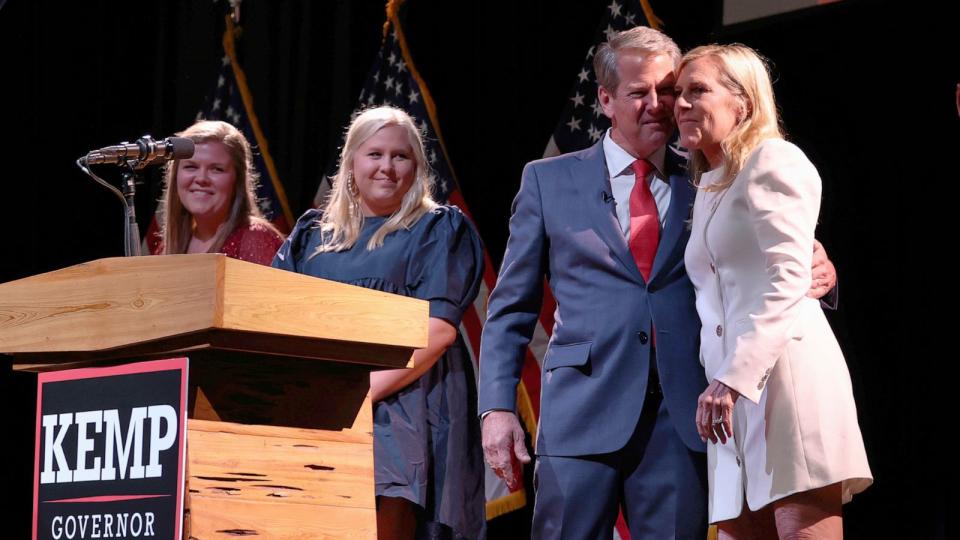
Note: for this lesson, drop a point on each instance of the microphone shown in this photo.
(143, 151)
(607, 198)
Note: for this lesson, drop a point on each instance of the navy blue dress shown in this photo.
(427, 436)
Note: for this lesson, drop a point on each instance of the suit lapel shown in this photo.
(674, 234)
(591, 174)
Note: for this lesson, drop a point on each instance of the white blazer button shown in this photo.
(713, 268)
(719, 331)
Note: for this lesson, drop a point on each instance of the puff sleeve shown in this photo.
(446, 266)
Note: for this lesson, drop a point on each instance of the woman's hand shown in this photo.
(715, 412)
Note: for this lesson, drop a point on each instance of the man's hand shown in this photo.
(502, 440)
(823, 273)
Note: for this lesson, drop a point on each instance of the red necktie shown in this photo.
(644, 220)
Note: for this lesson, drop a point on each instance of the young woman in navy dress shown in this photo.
(380, 229)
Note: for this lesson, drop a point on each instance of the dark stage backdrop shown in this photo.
(865, 87)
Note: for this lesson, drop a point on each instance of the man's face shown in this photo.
(641, 108)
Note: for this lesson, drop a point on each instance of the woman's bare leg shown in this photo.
(810, 514)
(749, 525)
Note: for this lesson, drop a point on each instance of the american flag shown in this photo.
(393, 80)
(231, 101)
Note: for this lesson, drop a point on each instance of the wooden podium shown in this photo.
(279, 440)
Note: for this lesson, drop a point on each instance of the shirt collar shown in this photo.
(619, 160)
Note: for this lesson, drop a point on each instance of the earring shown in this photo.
(352, 185)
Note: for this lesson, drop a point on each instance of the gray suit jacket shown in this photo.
(594, 376)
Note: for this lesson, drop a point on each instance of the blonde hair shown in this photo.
(746, 75)
(342, 217)
(640, 39)
(176, 223)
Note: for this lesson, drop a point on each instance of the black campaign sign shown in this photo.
(110, 455)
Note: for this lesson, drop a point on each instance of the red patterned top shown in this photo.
(256, 243)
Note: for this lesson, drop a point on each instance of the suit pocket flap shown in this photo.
(572, 355)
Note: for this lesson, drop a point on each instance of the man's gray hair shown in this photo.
(639, 38)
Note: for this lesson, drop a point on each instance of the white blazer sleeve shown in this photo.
(782, 195)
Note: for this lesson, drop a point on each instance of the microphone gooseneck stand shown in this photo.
(131, 175)
(131, 231)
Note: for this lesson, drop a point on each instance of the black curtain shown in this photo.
(866, 89)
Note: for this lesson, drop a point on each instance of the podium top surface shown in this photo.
(118, 303)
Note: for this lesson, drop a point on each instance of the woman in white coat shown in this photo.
(779, 410)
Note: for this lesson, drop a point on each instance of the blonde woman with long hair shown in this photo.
(779, 410)
(380, 229)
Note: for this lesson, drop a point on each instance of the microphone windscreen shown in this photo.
(182, 147)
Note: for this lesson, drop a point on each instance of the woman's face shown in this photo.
(206, 181)
(706, 110)
(384, 170)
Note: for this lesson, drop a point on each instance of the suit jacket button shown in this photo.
(643, 337)
(713, 268)
(719, 331)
